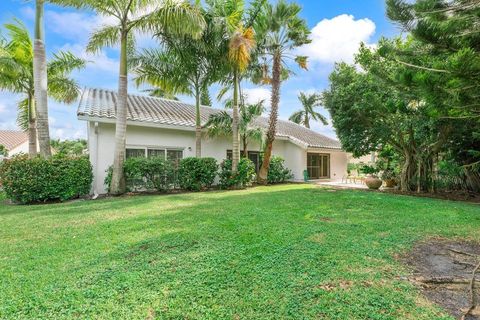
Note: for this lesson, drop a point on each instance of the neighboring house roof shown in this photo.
(101, 104)
(12, 139)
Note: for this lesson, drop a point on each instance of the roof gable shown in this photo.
(98, 103)
(11, 139)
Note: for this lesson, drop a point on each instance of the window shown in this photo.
(254, 156)
(156, 153)
(174, 155)
(135, 153)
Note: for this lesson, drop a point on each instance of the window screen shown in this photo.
(135, 153)
(156, 153)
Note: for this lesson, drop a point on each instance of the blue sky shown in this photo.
(338, 26)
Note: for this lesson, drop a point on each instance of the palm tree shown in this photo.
(170, 16)
(17, 75)
(281, 30)
(183, 65)
(40, 81)
(239, 49)
(221, 123)
(303, 116)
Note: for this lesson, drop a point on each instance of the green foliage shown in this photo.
(309, 103)
(243, 177)
(16, 72)
(368, 169)
(195, 174)
(69, 147)
(277, 172)
(148, 173)
(3, 151)
(29, 180)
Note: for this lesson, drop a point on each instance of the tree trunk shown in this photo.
(118, 180)
(245, 145)
(41, 82)
(236, 136)
(272, 125)
(307, 120)
(406, 173)
(198, 124)
(32, 127)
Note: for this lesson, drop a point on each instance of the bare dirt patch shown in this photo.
(443, 270)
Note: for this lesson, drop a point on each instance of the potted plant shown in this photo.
(372, 181)
(388, 176)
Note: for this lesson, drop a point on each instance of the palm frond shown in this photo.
(65, 62)
(297, 117)
(106, 36)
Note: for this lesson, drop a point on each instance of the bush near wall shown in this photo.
(277, 172)
(195, 174)
(30, 180)
(143, 174)
(243, 178)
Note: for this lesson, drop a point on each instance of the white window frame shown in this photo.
(146, 148)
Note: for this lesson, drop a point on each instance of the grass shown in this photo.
(292, 251)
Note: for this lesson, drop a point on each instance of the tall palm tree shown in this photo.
(171, 16)
(303, 116)
(184, 65)
(220, 124)
(240, 46)
(238, 39)
(40, 81)
(16, 75)
(281, 30)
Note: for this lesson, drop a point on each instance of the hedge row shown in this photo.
(29, 180)
(193, 174)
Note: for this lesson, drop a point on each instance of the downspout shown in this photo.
(95, 189)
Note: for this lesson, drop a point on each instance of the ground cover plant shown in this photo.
(288, 251)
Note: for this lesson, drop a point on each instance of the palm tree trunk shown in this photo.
(236, 136)
(40, 82)
(272, 125)
(198, 124)
(307, 120)
(118, 180)
(245, 145)
(32, 127)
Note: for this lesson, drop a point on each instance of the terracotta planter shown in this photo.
(373, 183)
(390, 183)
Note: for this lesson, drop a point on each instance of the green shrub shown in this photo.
(143, 174)
(29, 180)
(196, 174)
(243, 178)
(277, 172)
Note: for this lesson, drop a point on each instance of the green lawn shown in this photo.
(292, 251)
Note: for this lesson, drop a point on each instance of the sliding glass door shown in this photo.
(318, 165)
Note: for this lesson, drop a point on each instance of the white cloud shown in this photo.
(338, 39)
(255, 95)
(99, 61)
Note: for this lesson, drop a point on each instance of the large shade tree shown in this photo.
(170, 16)
(309, 103)
(184, 65)
(17, 75)
(281, 30)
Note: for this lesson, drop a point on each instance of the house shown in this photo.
(14, 141)
(161, 127)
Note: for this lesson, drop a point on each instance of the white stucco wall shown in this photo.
(101, 140)
(23, 148)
